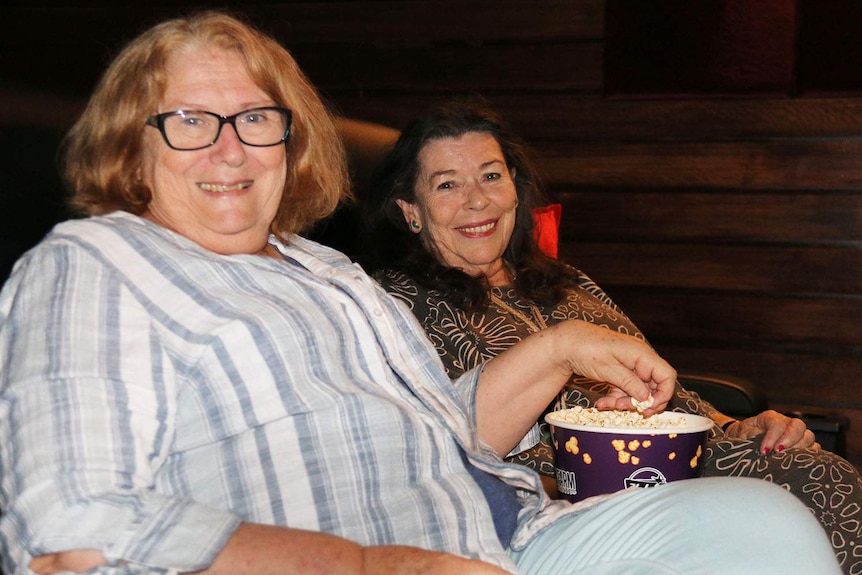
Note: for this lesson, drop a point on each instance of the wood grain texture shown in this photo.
(764, 269)
(790, 164)
(817, 217)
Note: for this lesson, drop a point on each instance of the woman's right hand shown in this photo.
(631, 366)
(517, 385)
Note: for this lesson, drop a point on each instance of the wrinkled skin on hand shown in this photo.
(618, 399)
(633, 368)
(780, 431)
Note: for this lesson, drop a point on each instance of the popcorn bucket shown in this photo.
(593, 460)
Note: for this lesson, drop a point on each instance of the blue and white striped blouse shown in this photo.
(154, 394)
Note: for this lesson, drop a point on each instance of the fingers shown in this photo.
(631, 390)
(783, 432)
(622, 398)
(744, 429)
(609, 401)
(788, 439)
(626, 363)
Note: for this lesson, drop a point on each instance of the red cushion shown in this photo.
(547, 230)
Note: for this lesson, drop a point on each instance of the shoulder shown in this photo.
(404, 286)
(76, 237)
(399, 285)
(114, 221)
(114, 233)
(76, 259)
(119, 249)
(577, 280)
(319, 251)
(586, 283)
(395, 279)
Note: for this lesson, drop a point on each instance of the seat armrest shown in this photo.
(734, 396)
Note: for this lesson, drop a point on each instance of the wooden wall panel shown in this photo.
(732, 319)
(310, 22)
(449, 69)
(716, 47)
(714, 216)
(834, 271)
(830, 383)
(578, 117)
(87, 36)
(789, 164)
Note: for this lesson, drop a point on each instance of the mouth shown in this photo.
(480, 229)
(222, 188)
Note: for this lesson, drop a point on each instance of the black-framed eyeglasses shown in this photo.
(188, 130)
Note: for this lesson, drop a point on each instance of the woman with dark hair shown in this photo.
(391, 242)
(449, 229)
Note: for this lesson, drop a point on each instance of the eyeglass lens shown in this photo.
(192, 129)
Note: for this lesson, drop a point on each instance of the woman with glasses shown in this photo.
(188, 385)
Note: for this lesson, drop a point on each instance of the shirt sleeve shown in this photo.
(465, 389)
(84, 427)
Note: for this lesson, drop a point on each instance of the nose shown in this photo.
(475, 198)
(228, 147)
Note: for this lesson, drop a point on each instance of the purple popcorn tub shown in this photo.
(598, 452)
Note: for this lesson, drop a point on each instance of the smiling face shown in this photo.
(223, 197)
(465, 204)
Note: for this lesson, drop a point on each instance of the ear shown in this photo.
(409, 211)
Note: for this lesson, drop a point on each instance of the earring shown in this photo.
(415, 225)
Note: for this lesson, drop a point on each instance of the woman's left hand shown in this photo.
(780, 431)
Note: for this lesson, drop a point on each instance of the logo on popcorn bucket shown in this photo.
(567, 482)
(645, 477)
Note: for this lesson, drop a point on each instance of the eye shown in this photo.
(255, 117)
(192, 120)
(493, 176)
(445, 186)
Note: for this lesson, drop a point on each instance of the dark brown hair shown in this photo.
(388, 243)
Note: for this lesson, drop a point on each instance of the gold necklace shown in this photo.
(537, 325)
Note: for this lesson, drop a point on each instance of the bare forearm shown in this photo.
(265, 549)
(514, 388)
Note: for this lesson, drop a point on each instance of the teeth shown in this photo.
(222, 188)
(479, 229)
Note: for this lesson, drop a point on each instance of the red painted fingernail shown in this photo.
(780, 448)
(766, 451)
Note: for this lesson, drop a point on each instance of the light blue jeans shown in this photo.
(714, 525)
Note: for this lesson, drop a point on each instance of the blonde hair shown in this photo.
(101, 154)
